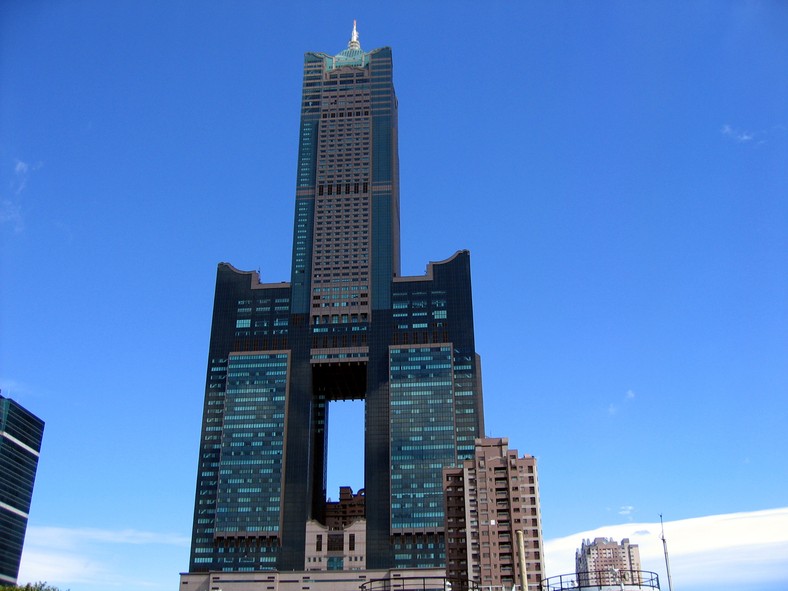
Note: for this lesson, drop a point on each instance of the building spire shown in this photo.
(353, 43)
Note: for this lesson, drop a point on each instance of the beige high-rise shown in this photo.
(606, 562)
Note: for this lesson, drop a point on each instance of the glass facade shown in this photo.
(20, 445)
(250, 465)
(347, 326)
(236, 509)
(422, 434)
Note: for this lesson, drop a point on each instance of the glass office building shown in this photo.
(20, 445)
(347, 326)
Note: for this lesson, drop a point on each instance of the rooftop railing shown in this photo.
(603, 580)
(419, 584)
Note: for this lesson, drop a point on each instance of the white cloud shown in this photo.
(11, 388)
(736, 134)
(626, 510)
(612, 408)
(11, 207)
(89, 556)
(22, 170)
(718, 550)
(48, 566)
(756, 138)
(62, 537)
(11, 213)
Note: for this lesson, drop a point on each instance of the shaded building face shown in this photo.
(347, 326)
(20, 444)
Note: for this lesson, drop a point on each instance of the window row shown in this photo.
(332, 189)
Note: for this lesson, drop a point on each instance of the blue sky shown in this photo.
(617, 170)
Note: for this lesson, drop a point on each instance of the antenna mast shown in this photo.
(665, 548)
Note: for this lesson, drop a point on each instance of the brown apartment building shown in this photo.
(491, 498)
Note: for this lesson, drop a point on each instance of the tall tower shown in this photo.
(20, 444)
(348, 326)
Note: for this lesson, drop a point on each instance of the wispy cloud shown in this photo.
(11, 214)
(613, 408)
(91, 556)
(752, 137)
(43, 565)
(21, 168)
(61, 537)
(737, 134)
(14, 389)
(718, 550)
(11, 206)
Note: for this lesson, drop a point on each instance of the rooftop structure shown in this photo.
(349, 508)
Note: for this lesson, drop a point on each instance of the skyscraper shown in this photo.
(20, 444)
(347, 326)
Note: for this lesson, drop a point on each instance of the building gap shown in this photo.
(345, 446)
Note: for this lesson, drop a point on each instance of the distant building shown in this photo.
(606, 562)
(348, 509)
(488, 500)
(20, 444)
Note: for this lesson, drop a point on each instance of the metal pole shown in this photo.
(523, 567)
(665, 548)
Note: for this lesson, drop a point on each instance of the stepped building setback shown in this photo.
(347, 326)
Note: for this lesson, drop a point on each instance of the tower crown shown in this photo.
(353, 43)
(353, 55)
